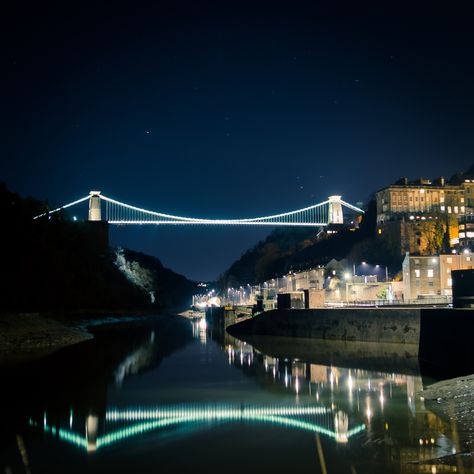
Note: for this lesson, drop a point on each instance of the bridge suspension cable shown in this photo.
(120, 213)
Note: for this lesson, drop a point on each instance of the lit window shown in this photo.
(449, 209)
(462, 209)
(430, 273)
(443, 208)
(417, 273)
(456, 210)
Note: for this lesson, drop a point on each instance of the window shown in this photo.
(417, 283)
(449, 209)
(443, 208)
(450, 282)
(430, 273)
(430, 283)
(417, 273)
(456, 209)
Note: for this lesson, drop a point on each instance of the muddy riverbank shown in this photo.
(26, 335)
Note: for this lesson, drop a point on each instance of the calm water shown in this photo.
(172, 395)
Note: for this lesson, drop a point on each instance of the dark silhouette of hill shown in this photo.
(58, 264)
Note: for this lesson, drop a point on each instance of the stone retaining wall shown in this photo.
(400, 325)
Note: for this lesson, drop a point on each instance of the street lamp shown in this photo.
(386, 271)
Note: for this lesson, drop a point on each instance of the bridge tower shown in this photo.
(92, 426)
(94, 206)
(335, 210)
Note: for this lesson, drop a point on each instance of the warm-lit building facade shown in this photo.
(430, 276)
(424, 197)
(409, 214)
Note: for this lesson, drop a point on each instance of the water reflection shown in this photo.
(185, 381)
(386, 402)
(122, 424)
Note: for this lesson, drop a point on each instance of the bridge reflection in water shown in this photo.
(361, 397)
(122, 424)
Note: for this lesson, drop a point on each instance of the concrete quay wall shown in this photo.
(400, 325)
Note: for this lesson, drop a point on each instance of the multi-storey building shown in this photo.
(410, 213)
(428, 276)
(424, 197)
(466, 231)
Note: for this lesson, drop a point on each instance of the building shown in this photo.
(430, 276)
(466, 232)
(423, 197)
(424, 216)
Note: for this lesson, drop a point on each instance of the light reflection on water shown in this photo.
(215, 386)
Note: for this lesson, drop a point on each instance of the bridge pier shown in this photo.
(95, 206)
(335, 210)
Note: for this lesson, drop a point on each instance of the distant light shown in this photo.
(466, 250)
(433, 260)
(453, 251)
(347, 275)
(74, 218)
(364, 263)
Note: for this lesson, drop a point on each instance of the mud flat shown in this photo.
(26, 335)
(453, 400)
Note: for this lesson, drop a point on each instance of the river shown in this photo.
(170, 395)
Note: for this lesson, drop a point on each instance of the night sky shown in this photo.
(230, 109)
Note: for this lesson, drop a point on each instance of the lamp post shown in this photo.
(386, 271)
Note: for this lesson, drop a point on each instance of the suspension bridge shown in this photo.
(120, 213)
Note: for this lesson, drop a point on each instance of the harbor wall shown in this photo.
(400, 325)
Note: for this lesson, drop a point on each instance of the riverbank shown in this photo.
(453, 400)
(28, 335)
